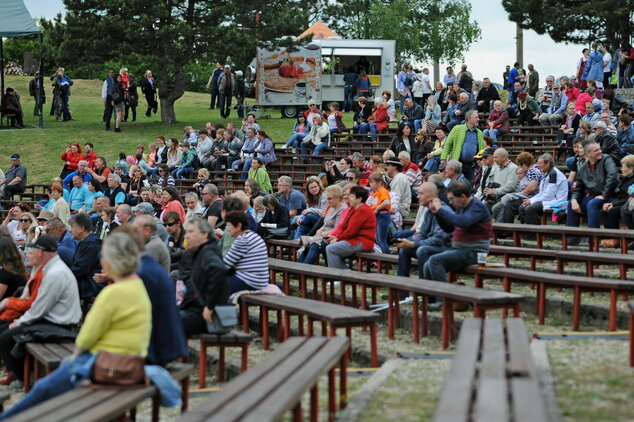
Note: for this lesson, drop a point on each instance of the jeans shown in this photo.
(383, 221)
(338, 251)
(592, 207)
(492, 133)
(224, 103)
(180, 173)
(317, 149)
(55, 384)
(569, 162)
(214, 97)
(311, 253)
(10, 190)
(295, 140)
(66, 108)
(108, 110)
(438, 265)
(348, 98)
(307, 224)
(417, 124)
(422, 254)
(245, 168)
(432, 164)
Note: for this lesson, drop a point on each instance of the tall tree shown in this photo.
(575, 21)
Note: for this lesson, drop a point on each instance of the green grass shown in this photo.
(40, 149)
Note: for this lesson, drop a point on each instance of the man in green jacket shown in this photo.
(463, 143)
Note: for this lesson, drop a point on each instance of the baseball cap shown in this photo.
(45, 215)
(44, 242)
(144, 207)
(485, 152)
(556, 86)
(15, 156)
(227, 66)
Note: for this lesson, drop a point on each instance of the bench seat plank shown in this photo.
(520, 360)
(493, 350)
(456, 396)
(233, 336)
(490, 401)
(106, 405)
(528, 401)
(52, 407)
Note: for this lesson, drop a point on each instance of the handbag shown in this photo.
(223, 319)
(117, 369)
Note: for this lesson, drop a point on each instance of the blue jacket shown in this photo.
(626, 140)
(86, 264)
(594, 67)
(66, 248)
(68, 180)
(431, 234)
(167, 342)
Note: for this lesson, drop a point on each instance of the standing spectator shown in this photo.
(596, 182)
(212, 85)
(357, 233)
(118, 102)
(627, 57)
(581, 65)
(106, 96)
(131, 98)
(64, 84)
(148, 88)
(240, 93)
(207, 286)
(404, 84)
(15, 179)
(86, 259)
(472, 227)
(349, 81)
(36, 90)
(463, 143)
(248, 255)
(226, 90)
(450, 77)
(533, 81)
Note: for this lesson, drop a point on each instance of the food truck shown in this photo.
(287, 80)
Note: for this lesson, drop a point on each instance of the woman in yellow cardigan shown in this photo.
(120, 321)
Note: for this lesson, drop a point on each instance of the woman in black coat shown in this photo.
(148, 88)
(404, 141)
(276, 220)
(131, 98)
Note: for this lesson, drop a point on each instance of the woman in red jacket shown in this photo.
(358, 233)
(71, 157)
(379, 119)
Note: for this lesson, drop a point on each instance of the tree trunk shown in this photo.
(167, 111)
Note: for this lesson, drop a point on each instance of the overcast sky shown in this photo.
(487, 57)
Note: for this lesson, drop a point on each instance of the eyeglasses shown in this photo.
(171, 224)
(24, 220)
(450, 198)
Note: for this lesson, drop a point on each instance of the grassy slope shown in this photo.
(40, 149)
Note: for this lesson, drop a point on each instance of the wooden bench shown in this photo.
(544, 280)
(329, 314)
(492, 377)
(102, 405)
(481, 299)
(631, 323)
(276, 385)
(233, 338)
(45, 355)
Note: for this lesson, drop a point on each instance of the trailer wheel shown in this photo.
(289, 112)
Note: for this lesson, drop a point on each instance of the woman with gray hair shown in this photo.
(379, 120)
(119, 322)
(276, 220)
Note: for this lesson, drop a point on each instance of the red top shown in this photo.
(359, 226)
(174, 206)
(91, 160)
(72, 159)
(379, 116)
(16, 307)
(572, 94)
(580, 103)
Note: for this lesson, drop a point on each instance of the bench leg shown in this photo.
(364, 299)
(202, 365)
(541, 303)
(397, 308)
(302, 286)
(280, 328)
(576, 309)
(374, 355)
(155, 409)
(221, 364)
(245, 357)
(300, 325)
(415, 318)
(244, 312)
(631, 339)
(342, 293)
(265, 327)
(324, 287)
(133, 413)
(343, 382)
(613, 299)
(309, 328)
(390, 314)
(315, 289)
(516, 310)
(287, 324)
(314, 403)
(332, 398)
(185, 396)
(424, 311)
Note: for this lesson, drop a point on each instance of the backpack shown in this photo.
(409, 81)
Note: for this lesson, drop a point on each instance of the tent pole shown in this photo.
(40, 91)
(2, 64)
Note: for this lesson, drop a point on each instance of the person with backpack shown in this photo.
(465, 79)
(405, 83)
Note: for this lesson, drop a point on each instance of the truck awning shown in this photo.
(370, 52)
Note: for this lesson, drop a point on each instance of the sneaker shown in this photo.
(284, 147)
(17, 385)
(294, 150)
(8, 380)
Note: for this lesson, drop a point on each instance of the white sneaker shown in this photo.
(283, 147)
(294, 151)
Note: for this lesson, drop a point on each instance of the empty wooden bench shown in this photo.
(545, 280)
(492, 376)
(275, 386)
(481, 299)
(234, 338)
(329, 314)
(102, 405)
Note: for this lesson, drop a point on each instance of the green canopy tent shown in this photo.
(16, 22)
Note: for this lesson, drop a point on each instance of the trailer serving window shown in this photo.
(336, 61)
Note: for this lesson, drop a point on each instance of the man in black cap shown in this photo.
(15, 179)
(56, 305)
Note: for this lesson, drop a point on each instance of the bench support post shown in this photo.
(631, 338)
(613, 299)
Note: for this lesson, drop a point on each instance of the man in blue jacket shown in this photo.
(429, 238)
(86, 259)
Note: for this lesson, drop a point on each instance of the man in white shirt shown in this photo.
(400, 185)
(426, 81)
(607, 72)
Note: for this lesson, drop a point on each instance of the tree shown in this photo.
(579, 22)
(424, 30)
